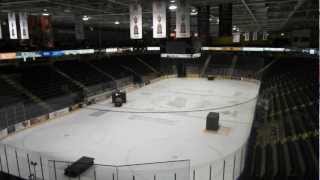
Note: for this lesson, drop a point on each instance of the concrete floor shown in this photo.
(164, 121)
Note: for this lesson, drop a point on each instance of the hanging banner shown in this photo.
(0, 30)
(24, 31)
(12, 25)
(265, 36)
(78, 28)
(183, 19)
(236, 37)
(46, 31)
(135, 21)
(255, 36)
(159, 19)
(246, 36)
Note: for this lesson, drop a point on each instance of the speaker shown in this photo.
(118, 93)
(212, 121)
(211, 78)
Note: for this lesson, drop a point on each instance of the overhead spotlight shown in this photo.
(45, 10)
(172, 1)
(234, 28)
(45, 14)
(172, 7)
(85, 18)
(194, 12)
(116, 22)
(282, 34)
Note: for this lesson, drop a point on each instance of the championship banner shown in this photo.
(255, 36)
(246, 36)
(12, 25)
(183, 19)
(23, 19)
(236, 37)
(159, 19)
(46, 31)
(135, 21)
(78, 28)
(0, 30)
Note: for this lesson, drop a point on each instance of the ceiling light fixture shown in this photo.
(116, 22)
(234, 28)
(172, 7)
(194, 12)
(85, 18)
(45, 14)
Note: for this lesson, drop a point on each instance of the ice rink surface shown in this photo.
(163, 121)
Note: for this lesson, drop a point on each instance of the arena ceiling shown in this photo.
(268, 15)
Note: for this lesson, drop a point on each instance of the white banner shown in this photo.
(246, 36)
(135, 21)
(265, 35)
(183, 19)
(159, 19)
(0, 30)
(78, 28)
(236, 37)
(12, 25)
(24, 31)
(255, 36)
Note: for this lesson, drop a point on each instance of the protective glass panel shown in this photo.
(178, 170)
(229, 167)
(217, 170)
(12, 161)
(3, 160)
(105, 172)
(57, 172)
(24, 166)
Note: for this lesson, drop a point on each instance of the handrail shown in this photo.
(125, 165)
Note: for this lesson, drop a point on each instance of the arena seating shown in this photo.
(9, 95)
(81, 72)
(140, 71)
(49, 86)
(16, 106)
(286, 129)
(33, 89)
(112, 68)
(234, 66)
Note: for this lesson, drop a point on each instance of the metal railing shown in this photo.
(36, 166)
